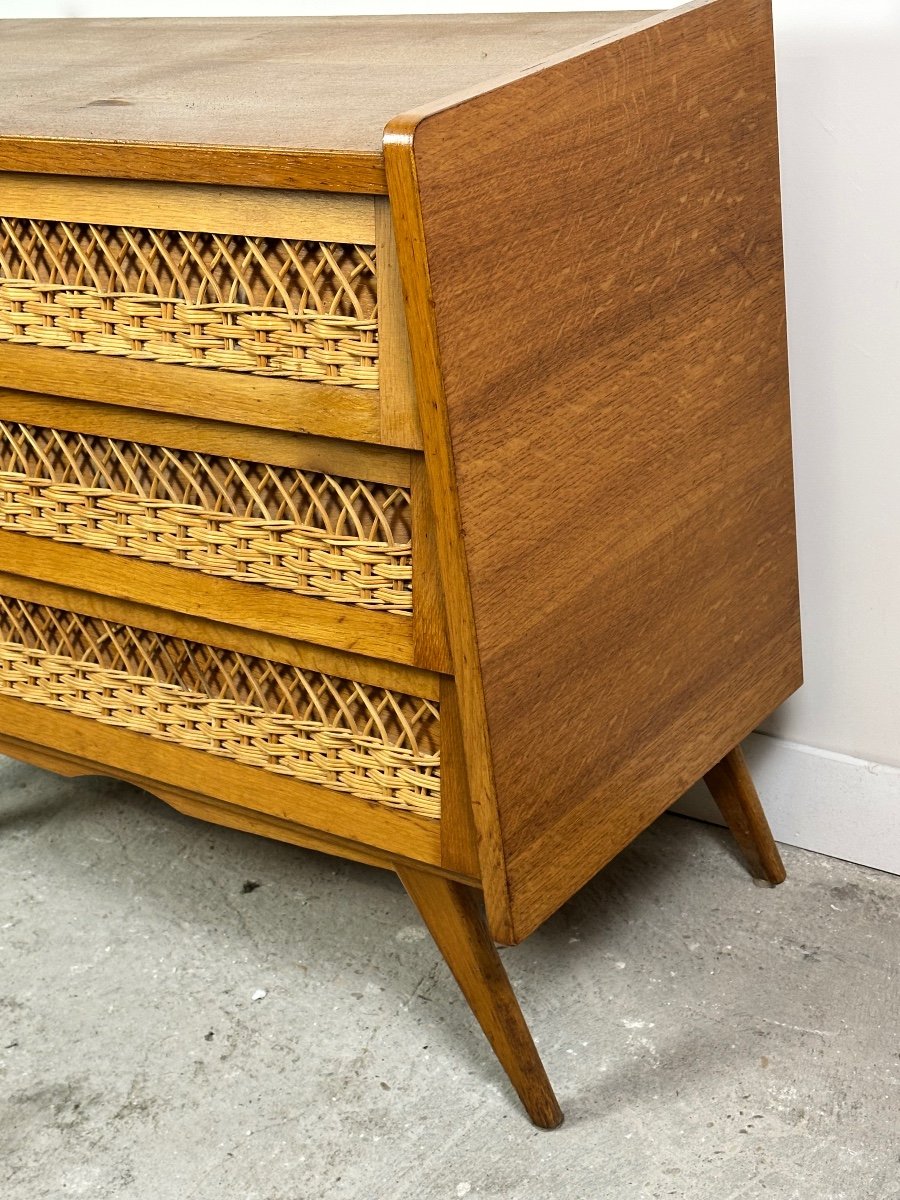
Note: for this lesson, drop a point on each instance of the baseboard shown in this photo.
(844, 807)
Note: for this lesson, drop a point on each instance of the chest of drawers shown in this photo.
(394, 439)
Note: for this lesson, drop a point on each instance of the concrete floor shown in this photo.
(708, 1039)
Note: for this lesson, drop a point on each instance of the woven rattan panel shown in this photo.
(305, 310)
(376, 744)
(317, 535)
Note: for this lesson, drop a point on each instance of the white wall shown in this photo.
(839, 106)
(839, 92)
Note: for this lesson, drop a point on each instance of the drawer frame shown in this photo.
(444, 843)
(386, 415)
(418, 638)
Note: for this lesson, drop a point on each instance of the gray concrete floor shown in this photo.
(707, 1038)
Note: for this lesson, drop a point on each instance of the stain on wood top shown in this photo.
(309, 88)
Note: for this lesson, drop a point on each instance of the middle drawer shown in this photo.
(290, 534)
(308, 532)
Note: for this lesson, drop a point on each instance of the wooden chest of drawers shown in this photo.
(394, 438)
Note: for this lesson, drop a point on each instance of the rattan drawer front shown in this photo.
(278, 307)
(370, 742)
(305, 532)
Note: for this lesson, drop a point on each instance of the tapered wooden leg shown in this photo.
(453, 915)
(731, 786)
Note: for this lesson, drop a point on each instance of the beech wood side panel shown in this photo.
(605, 384)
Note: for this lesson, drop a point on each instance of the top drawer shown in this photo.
(284, 301)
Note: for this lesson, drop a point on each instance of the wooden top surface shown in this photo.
(310, 89)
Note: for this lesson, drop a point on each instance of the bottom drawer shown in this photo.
(370, 742)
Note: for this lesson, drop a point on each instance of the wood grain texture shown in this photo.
(459, 841)
(257, 212)
(274, 102)
(731, 786)
(315, 408)
(473, 734)
(453, 916)
(396, 386)
(321, 170)
(599, 346)
(322, 622)
(431, 647)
